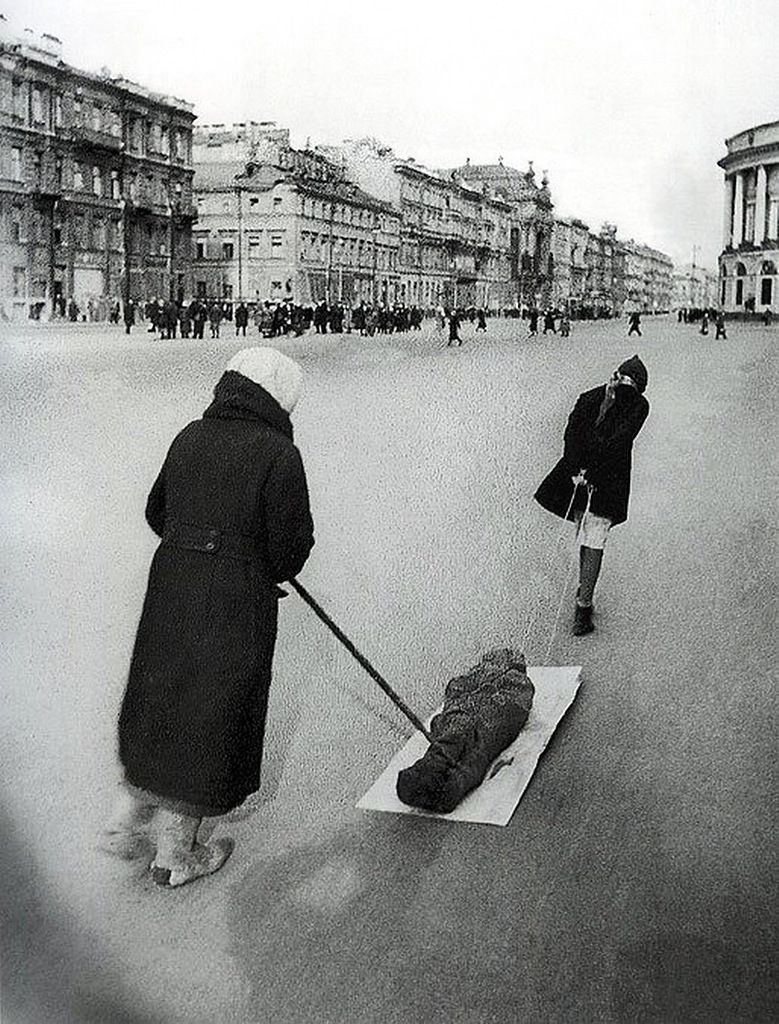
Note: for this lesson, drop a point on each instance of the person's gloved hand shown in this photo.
(580, 478)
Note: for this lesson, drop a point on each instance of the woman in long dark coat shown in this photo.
(590, 485)
(231, 508)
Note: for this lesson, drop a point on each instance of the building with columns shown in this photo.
(749, 262)
(95, 185)
(277, 223)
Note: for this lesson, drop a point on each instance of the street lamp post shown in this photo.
(239, 194)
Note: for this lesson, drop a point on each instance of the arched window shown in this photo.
(741, 270)
(769, 267)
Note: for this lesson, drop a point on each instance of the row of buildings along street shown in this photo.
(109, 191)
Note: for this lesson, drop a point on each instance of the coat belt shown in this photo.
(212, 541)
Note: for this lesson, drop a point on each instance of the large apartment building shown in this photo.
(278, 223)
(95, 186)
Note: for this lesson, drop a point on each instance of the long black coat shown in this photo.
(605, 452)
(231, 506)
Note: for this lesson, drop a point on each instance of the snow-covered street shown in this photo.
(635, 880)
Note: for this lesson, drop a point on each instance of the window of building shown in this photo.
(164, 141)
(78, 177)
(98, 234)
(200, 289)
(38, 113)
(17, 234)
(277, 201)
(79, 223)
(59, 164)
(77, 109)
(254, 246)
(228, 250)
(58, 110)
(227, 291)
(20, 282)
(97, 118)
(17, 100)
(97, 181)
(16, 163)
(739, 291)
(766, 291)
(200, 250)
(276, 240)
(115, 186)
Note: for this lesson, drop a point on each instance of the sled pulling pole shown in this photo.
(399, 703)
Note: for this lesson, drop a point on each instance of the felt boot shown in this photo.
(126, 835)
(180, 858)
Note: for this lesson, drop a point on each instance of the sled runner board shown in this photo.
(496, 799)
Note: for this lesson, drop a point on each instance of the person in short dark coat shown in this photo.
(634, 321)
(454, 328)
(590, 485)
(231, 507)
(241, 318)
(129, 315)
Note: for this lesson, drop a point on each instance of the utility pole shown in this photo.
(330, 253)
(692, 277)
(239, 193)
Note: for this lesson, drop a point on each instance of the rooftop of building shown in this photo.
(510, 182)
(260, 176)
(759, 135)
(46, 50)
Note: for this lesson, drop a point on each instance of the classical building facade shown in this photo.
(694, 287)
(95, 186)
(570, 239)
(749, 262)
(277, 223)
(531, 261)
(458, 245)
(648, 278)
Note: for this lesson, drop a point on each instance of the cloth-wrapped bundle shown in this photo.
(484, 711)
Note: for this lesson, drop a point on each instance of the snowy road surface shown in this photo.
(634, 882)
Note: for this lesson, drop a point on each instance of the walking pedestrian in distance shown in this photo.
(241, 319)
(705, 322)
(533, 323)
(720, 325)
(549, 322)
(635, 324)
(129, 315)
(454, 329)
(231, 508)
(590, 485)
(481, 320)
(215, 318)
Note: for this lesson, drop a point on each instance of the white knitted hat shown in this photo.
(272, 370)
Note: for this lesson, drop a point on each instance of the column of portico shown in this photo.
(727, 218)
(738, 211)
(760, 204)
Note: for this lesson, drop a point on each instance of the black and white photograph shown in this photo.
(389, 606)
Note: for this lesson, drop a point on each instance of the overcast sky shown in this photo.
(625, 102)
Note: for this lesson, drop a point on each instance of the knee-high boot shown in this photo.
(590, 560)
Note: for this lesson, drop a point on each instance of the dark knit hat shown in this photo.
(636, 370)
